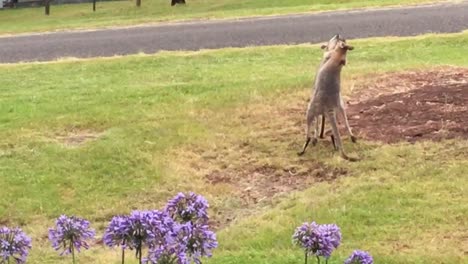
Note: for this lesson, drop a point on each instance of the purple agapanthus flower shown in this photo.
(137, 230)
(188, 207)
(333, 232)
(311, 237)
(119, 232)
(360, 257)
(70, 233)
(199, 240)
(164, 242)
(159, 227)
(139, 233)
(168, 252)
(14, 245)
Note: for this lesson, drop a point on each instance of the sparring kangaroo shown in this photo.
(326, 55)
(326, 99)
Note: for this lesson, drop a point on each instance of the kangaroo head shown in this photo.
(337, 48)
(336, 42)
(331, 44)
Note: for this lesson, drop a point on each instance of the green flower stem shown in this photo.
(139, 255)
(73, 253)
(306, 257)
(318, 259)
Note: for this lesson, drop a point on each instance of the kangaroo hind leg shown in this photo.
(336, 134)
(343, 113)
(310, 121)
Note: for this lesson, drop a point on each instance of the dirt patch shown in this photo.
(253, 167)
(258, 183)
(371, 87)
(251, 171)
(256, 186)
(422, 105)
(76, 138)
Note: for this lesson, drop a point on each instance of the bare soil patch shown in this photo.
(258, 183)
(258, 186)
(248, 178)
(76, 138)
(253, 168)
(412, 106)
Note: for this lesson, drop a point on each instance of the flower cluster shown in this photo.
(119, 232)
(160, 237)
(360, 257)
(14, 245)
(333, 234)
(188, 208)
(318, 240)
(199, 240)
(321, 240)
(178, 234)
(168, 247)
(153, 229)
(70, 233)
(141, 229)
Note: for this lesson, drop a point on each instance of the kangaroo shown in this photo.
(328, 47)
(326, 55)
(326, 99)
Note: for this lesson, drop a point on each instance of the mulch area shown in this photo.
(422, 105)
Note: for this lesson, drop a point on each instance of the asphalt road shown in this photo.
(293, 29)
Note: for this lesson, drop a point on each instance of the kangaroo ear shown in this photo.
(324, 46)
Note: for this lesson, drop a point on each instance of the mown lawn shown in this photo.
(121, 13)
(151, 120)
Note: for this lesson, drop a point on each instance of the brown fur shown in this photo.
(326, 100)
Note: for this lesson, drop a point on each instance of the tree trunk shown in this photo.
(138, 3)
(94, 5)
(47, 7)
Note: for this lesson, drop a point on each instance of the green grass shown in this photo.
(125, 13)
(158, 118)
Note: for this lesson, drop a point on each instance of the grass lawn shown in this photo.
(104, 136)
(80, 16)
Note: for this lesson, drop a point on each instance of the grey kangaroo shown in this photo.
(326, 55)
(326, 100)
